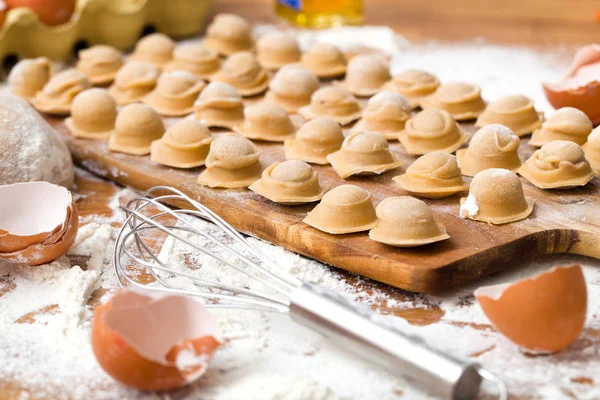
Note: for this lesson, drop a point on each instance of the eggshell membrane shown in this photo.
(513, 111)
(93, 114)
(386, 113)
(325, 60)
(195, 59)
(137, 351)
(184, 145)
(219, 105)
(58, 94)
(156, 48)
(266, 121)
(334, 102)
(134, 81)
(175, 93)
(591, 148)
(414, 85)
(493, 146)
(434, 175)
(344, 209)
(404, 221)
(29, 76)
(462, 100)
(559, 164)
(100, 63)
(541, 314)
(136, 127)
(365, 75)
(290, 182)
(291, 87)
(432, 130)
(228, 34)
(276, 49)
(314, 141)
(565, 124)
(243, 71)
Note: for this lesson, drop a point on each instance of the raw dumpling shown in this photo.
(414, 84)
(325, 60)
(156, 48)
(334, 102)
(219, 105)
(29, 76)
(266, 121)
(432, 130)
(93, 115)
(133, 82)
(462, 100)
(184, 145)
(366, 74)
(58, 94)
(136, 127)
(276, 49)
(591, 148)
(100, 63)
(567, 123)
(228, 34)
(243, 72)
(386, 113)
(315, 140)
(515, 112)
(291, 87)
(195, 59)
(175, 93)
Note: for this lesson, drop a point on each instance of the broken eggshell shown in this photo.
(154, 342)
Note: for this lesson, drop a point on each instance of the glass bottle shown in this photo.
(320, 14)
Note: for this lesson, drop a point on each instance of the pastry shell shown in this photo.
(136, 127)
(365, 76)
(414, 85)
(100, 63)
(291, 182)
(462, 100)
(276, 49)
(325, 60)
(267, 121)
(432, 130)
(93, 115)
(515, 112)
(29, 76)
(133, 82)
(344, 209)
(156, 48)
(229, 34)
(195, 59)
(219, 105)
(334, 102)
(314, 141)
(184, 145)
(175, 93)
(363, 153)
(386, 113)
(243, 72)
(58, 94)
(591, 148)
(291, 87)
(406, 222)
(565, 124)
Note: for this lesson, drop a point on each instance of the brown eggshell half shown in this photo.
(154, 343)
(541, 314)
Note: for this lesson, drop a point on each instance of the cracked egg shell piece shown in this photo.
(566, 123)
(291, 87)
(365, 76)
(133, 82)
(29, 76)
(243, 72)
(559, 164)
(334, 102)
(314, 141)
(386, 113)
(219, 105)
(156, 48)
(363, 153)
(325, 60)
(434, 175)
(462, 100)
(184, 145)
(496, 196)
(432, 130)
(58, 94)
(268, 122)
(175, 93)
(513, 111)
(100, 63)
(414, 85)
(232, 162)
(591, 148)
(229, 34)
(493, 146)
(93, 114)
(404, 221)
(343, 209)
(136, 127)
(276, 49)
(291, 182)
(195, 59)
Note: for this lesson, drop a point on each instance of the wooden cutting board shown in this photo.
(563, 221)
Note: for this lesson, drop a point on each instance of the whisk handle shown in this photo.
(365, 333)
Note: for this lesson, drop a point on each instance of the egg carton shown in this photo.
(118, 23)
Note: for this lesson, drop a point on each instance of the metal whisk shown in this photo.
(352, 326)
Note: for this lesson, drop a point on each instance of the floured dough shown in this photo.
(344, 209)
(334, 102)
(592, 149)
(433, 176)
(432, 130)
(276, 49)
(560, 164)
(184, 145)
(566, 123)
(496, 196)
(136, 127)
(462, 100)
(156, 48)
(406, 222)
(232, 162)
(386, 113)
(266, 121)
(366, 74)
(290, 182)
(219, 105)
(363, 153)
(196, 59)
(228, 34)
(414, 84)
(243, 72)
(133, 82)
(175, 93)
(325, 60)
(314, 141)
(100, 63)
(514, 111)
(493, 146)
(29, 76)
(292, 86)
(58, 94)
(93, 114)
